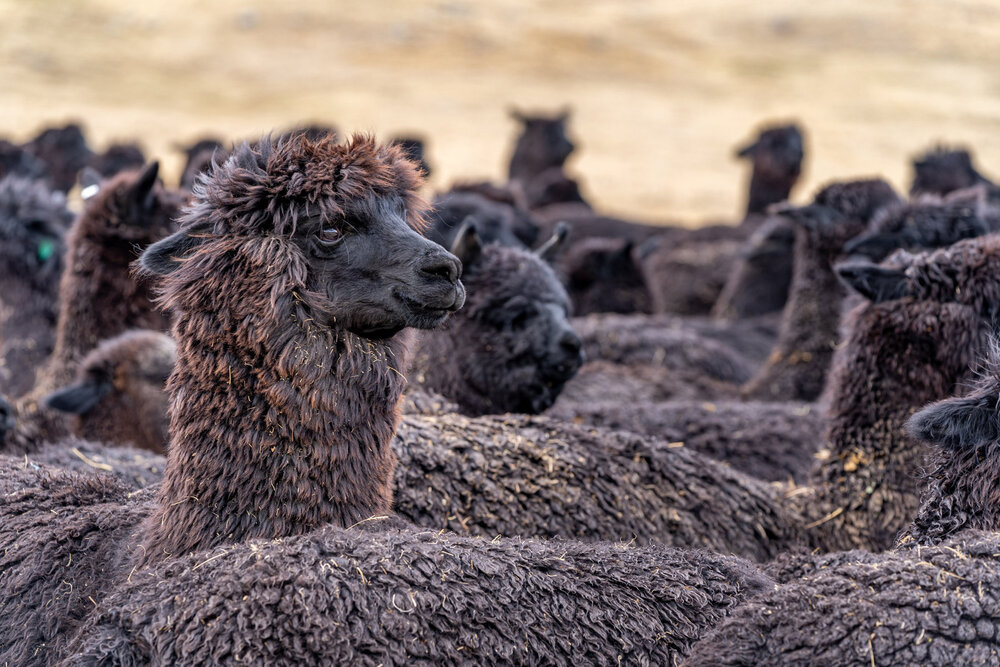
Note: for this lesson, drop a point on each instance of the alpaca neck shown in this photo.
(274, 432)
(808, 336)
(767, 190)
(98, 299)
(438, 368)
(27, 324)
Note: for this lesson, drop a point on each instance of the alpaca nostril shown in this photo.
(443, 267)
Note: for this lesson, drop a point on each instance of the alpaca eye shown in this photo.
(329, 235)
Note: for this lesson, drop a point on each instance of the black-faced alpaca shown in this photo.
(498, 219)
(926, 323)
(118, 396)
(33, 221)
(99, 297)
(118, 158)
(295, 271)
(963, 482)
(776, 155)
(927, 222)
(64, 152)
(511, 348)
(942, 170)
(542, 145)
(796, 369)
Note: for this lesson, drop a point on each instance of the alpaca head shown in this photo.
(414, 149)
(324, 229)
(966, 273)
(603, 275)
(64, 151)
(33, 221)
(942, 170)
(498, 219)
(119, 394)
(776, 153)
(200, 157)
(543, 142)
(923, 223)
(118, 158)
(16, 161)
(132, 208)
(518, 346)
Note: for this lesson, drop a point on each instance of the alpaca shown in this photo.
(927, 222)
(118, 158)
(498, 219)
(16, 161)
(942, 170)
(118, 396)
(98, 295)
(602, 275)
(415, 150)
(33, 219)
(542, 145)
(511, 348)
(199, 158)
(294, 273)
(796, 369)
(762, 274)
(776, 155)
(64, 152)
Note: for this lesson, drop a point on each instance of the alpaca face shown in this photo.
(942, 171)
(517, 333)
(545, 139)
(777, 152)
(378, 274)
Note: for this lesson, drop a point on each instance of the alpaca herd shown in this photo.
(289, 413)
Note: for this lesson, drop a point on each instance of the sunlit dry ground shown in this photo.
(662, 90)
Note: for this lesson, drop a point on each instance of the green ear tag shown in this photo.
(45, 249)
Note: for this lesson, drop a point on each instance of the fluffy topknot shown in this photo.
(269, 185)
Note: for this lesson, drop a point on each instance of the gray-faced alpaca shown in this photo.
(33, 220)
(776, 155)
(118, 397)
(511, 349)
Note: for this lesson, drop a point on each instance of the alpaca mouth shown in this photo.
(433, 307)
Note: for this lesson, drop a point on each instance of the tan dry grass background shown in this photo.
(662, 90)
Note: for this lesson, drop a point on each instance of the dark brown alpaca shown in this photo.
(796, 369)
(295, 271)
(98, 295)
(118, 396)
(542, 145)
(777, 164)
(64, 152)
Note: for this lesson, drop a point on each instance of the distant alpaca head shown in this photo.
(200, 158)
(542, 144)
(131, 208)
(498, 218)
(33, 221)
(777, 164)
(333, 225)
(118, 158)
(16, 161)
(119, 395)
(512, 345)
(966, 273)
(942, 170)
(604, 276)
(64, 151)
(414, 149)
(924, 223)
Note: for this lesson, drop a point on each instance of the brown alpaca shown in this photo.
(98, 295)
(118, 396)
(295, 271)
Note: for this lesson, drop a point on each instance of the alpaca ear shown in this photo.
(564, 114)
(90, 182)
(162, 258)
(79, 398)
(517, 114)
(874, 282)
(467, 245)
(748, 150)
(141, 194)
(956, 423)
(548, 249)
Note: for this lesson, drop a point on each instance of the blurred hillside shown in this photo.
(662, 90)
